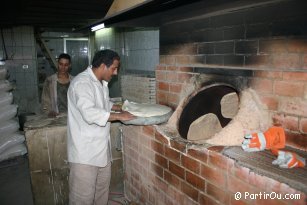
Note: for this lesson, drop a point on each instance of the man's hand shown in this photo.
(117, 108)
(122, 116)
(288, 159)
(126, 116)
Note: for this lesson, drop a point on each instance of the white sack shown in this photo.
(10, 140)
(8, 112)
(14, 151)
(6, 98)
(5, 86)
(8, 127)
(3, 73)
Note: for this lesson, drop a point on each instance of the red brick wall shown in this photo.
(272, 42)
(164, 171)
(283, 92)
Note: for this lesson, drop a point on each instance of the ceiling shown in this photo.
(53, 14)
(72, 15)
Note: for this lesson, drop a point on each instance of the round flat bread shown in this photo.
(204, 127)
(145, 110)
(230, 105)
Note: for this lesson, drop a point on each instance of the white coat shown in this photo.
(88, 129)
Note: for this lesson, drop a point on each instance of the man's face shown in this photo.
(111, 71)
(63, 65)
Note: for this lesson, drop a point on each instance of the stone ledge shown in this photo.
(261, 164)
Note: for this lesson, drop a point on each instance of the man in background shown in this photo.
(54, 95)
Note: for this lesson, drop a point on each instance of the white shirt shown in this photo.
(88, 131)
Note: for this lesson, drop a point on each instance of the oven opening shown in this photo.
(208, 111)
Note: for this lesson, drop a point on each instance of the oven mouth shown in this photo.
(206, 101)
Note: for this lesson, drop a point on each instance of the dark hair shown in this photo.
(65, 56)
(106, 57)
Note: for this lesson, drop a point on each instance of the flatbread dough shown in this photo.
(145, 110)
(230, 105)
(204, 127)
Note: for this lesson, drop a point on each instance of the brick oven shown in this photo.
(260, 46)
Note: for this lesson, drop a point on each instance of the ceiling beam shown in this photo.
(119, 6)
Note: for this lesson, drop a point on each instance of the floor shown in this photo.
(16, 184)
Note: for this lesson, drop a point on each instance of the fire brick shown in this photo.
(217, 193)
(275, 45)
(158, 147)
(246, 47)
(172, 154)
(195, 180)
(270, 101)
(291, 123)
(293, 106)
(163, 86)
(214, 175)
(218, 160)
(158, 170)
(235, 185)
(162, 161)
(161, 138)
(286, 61)
(269, 74)
(148, 130)
(286, 88)
(180, 146)
(303, 125)
(190, 191)
(177, 170)
(201, 155)
(190, 164)
(172, 179)
(295, 76)
(171, 77)
(262, 85)
(206, 200)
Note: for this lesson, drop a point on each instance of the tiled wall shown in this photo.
(77, 49)
(22, 66)
(27, 65)
(141, 50)
(138, 89)
(138, 48)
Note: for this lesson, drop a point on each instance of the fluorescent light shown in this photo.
(99, 26)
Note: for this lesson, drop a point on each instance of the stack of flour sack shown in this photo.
(11, 139)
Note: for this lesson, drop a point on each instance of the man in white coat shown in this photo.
(88, 134)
